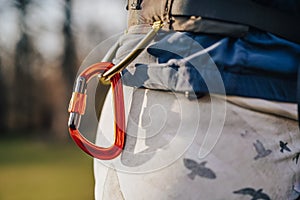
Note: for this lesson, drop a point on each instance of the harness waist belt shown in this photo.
(213, 16)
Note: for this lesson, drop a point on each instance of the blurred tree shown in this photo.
(3, 100)
(31, 100)
(69, 62)
(24, 82)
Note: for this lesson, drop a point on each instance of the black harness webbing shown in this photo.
(298, 95)
(278, 22)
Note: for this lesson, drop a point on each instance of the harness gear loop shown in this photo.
(106, 76)
(110, 74)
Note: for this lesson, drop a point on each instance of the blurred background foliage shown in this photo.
(42, 44)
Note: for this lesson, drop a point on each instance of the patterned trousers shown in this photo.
(209, 148)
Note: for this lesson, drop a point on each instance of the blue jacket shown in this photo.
(259, 65)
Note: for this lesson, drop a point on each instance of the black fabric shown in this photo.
(298, 96)
(281, 21)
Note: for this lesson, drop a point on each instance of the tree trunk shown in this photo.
(70, 58)
(3, 100)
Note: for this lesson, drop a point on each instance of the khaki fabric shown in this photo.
(288, 110)
(255, 155)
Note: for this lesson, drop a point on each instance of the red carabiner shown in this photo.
(77, 108)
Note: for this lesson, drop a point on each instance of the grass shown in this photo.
(34, 170)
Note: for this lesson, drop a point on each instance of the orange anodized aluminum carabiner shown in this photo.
(110, 73)
(77, 108)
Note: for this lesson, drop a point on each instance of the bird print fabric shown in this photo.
(261, 151)
(284, 147)
(255, 194)
(198, 169)
(255, 158)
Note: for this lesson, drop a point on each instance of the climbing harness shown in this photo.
(109, 74)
